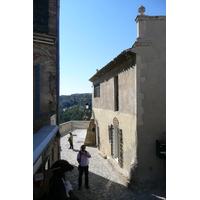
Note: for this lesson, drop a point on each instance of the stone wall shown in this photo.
(51, 151)
(127, 123)
(45, 55)
(151, 95)
(44, 120)
(72, 125)
(126, 83)
(104, 112)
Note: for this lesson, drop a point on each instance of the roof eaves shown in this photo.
(110, 65)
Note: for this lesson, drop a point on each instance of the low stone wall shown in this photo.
(65, 127)
(71, 125)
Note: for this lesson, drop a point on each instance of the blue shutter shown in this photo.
(37, 90)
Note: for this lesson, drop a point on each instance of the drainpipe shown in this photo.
(58, 71)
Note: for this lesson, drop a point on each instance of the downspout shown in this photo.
(58, 72)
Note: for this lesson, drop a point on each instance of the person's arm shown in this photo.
(87, 154)
(79, 157)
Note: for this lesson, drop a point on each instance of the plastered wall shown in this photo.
(151, 101)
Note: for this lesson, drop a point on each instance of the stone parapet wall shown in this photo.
(65, 127)
(71, 125)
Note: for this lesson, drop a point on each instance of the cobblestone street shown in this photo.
(104, 182)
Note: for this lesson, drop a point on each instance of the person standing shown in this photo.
(71, 140)
(83, 161)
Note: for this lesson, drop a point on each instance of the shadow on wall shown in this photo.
(102, 188)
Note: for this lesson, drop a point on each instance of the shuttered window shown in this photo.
(41, 16)
(119, 140)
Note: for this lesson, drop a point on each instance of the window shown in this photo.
(47, 164)
(97, 90)
(116, 94)
(116, 137)
(41, 16)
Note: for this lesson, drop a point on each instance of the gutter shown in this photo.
(58, 71)
(58, 59)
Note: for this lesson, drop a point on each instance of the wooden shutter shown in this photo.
(98, 136)
(112, 140)
(109, 133)
(120, 148)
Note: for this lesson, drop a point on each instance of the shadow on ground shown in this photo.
(102, 188)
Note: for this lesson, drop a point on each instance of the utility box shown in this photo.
(161, 148)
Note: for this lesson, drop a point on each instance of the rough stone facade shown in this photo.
(46, 57)
(45, 54)
(45, 87)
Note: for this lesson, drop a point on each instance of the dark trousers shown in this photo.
(71, 145)
(81, 170)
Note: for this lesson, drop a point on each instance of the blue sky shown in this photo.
(92, 33)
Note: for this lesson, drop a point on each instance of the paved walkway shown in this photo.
(104, 182)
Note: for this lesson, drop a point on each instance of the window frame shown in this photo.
(41, 16)
(97, 90)
(116, 93)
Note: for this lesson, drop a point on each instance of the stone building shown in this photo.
(46, 145)
(129, 103)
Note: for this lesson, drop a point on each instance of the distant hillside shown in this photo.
(74, 99)
(72, 107)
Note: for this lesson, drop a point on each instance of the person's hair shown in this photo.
(82, 146)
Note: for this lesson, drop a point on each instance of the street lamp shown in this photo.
(85, 116)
